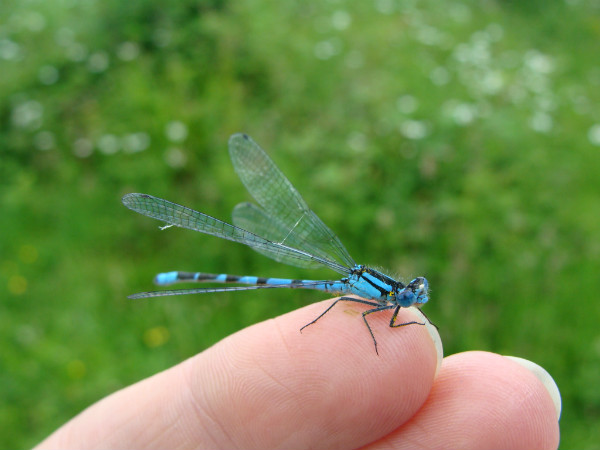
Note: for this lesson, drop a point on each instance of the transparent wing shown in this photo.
(306, 285)
(181, 216)
(289, 217)
(250, 217)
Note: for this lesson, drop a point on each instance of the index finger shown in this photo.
(268, 386)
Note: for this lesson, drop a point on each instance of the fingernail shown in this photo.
(435, 336)
(545, 378)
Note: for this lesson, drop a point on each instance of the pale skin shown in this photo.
(269, 386)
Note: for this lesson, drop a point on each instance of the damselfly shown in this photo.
(284, 228)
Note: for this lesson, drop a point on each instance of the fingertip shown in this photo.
(546, 379)
(332, 366)
(483, 400)
(434, 334)
(343, 332)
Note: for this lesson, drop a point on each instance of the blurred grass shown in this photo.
(462, 136)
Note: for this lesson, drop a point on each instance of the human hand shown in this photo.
(268, 386)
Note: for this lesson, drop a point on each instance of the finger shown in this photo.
(270, 386)
(481, 401)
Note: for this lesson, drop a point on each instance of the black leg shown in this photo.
(395, 315)
(436, 327)
(379, 308)
(345, 299)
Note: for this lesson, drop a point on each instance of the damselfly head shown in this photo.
(414, 293)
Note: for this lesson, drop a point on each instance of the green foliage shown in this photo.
(461, 137)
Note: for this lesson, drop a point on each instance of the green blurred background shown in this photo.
(462, 137)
